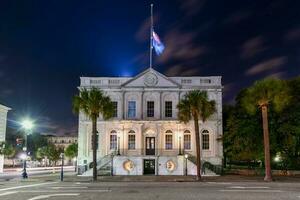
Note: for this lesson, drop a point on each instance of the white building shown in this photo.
(3, 119)
(145, 135)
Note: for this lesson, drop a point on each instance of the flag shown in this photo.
(157, 44)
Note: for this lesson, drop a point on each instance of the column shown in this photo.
(123, 106)
(161, 105)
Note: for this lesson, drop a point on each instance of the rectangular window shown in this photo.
(131, 109)
(169, 142)
(187, 142)
(205, 141)
(115, 105)
(168, 109)
(113, 142)
(150, 108)
(131, 142)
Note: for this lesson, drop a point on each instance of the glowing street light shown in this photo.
(27, 125)
(277, 158)
(186, 156)
(23, 156)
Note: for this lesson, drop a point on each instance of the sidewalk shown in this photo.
(72, 177)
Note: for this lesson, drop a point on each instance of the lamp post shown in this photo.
(186, 160)
(27, 125)
(75, 163)
(118, 146)
(180, 147)
(62, 167)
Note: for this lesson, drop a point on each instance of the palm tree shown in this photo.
(261, 95)
(93, 103)
(195, 105)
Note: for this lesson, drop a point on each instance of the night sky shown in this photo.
(45, 46)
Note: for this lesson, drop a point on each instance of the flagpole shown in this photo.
(151, 36)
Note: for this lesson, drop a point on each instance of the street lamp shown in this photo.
(75, 163)
(62, 155)
(27, 125)
(118, 147)
(180, 146)
(186, 156)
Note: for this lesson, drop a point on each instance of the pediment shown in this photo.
(150, 78)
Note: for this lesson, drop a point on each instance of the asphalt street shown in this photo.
(16, 173)
(35, 190)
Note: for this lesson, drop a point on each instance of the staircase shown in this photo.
(206, 167)
(103, 167)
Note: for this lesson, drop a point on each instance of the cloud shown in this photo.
(47, 125)
(143, 32)
(181, 46)
(252, 47)
(179, 70)
(268, 65)
(279, 75)
(293, 34)
(236, 17)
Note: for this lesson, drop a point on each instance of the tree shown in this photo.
(51, 152)
(92, 103)
(35, 141)
(72, 150)
(262, 95)
(241, 138)
(196, 106)
(8, 151)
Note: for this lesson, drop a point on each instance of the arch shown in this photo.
(169, 131)
(187, 132)
(205, 131)
(131, 132)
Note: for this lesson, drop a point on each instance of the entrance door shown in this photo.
(149, 166)
(150, 145)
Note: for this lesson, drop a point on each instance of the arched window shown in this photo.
(131, 140)
(187, 140)
(205, 139)
(168, 140)
(113, 139)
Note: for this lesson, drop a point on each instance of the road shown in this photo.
(148, 190)
(16, 172)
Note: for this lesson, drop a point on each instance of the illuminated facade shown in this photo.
(3, 119)
(145, 135)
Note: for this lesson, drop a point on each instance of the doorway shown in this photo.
(150, 145)
(149, 166)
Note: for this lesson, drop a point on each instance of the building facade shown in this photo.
(62, 142)
(3, 120)
(144, 136)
